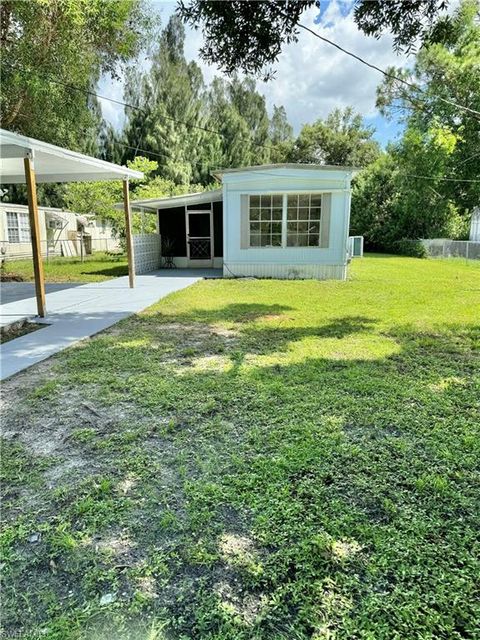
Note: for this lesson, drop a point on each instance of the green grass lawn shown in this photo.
(255, 460)
(95, 268)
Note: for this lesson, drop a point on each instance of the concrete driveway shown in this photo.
(78, 312)
(14, 291)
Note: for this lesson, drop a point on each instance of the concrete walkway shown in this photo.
(14, 291)
(81, 311)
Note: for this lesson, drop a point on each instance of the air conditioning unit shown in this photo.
(355, 246)
(54, 223)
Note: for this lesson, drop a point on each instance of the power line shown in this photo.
(134, 107)
(445, 179)
(473, 112)
(157, 154)
(206, 129)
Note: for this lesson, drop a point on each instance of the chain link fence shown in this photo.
(62, 248)
(444, 248)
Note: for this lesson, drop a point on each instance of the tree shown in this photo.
(429, 182)
(447, 74)
(280, 129)
(409, 22)
(50, 45)
(100, 198)
(341, 139)
(249, 36)
(238, 112)
(392, 202)
(280, 135)
(191, 128)
(375, 196)
(170, 99)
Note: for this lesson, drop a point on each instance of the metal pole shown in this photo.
(128, 234)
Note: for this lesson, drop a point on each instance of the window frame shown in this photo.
(284, 219)
(270, 221)
(21, 229)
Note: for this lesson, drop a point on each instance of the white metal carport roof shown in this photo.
(52, 163)
(29, 161)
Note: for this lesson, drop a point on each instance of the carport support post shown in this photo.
(35, 234)
(128, 234)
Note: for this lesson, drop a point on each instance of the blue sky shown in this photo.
(311, 77)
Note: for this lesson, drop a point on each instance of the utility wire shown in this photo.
(446, 179)
(125, 104)
(132, 106)
(473, 112)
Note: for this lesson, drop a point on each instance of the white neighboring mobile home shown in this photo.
(268, 221)
(61, 232)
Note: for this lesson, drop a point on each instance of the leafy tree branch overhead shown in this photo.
(424, 183)
(70, 40)
(251, 35)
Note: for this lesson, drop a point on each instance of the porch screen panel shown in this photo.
(171, 223)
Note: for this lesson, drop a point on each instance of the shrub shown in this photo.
(408, 247)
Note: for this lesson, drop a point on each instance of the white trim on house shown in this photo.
(189, 199)
(327, 260)
(285, 165)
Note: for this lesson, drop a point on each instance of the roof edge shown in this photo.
(171, 201)
(27, 143)
(286, 165)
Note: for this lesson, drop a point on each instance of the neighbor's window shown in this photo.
(304, 212)
(18, 227)
(265, 216)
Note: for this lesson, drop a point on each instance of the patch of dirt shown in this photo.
(18, 330)
(234, 547)
(246, 606)
(46, 426)
(11, 277)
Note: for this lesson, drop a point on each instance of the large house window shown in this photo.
(285, 221)
(18, 227)
(303, 220)
(266, 221)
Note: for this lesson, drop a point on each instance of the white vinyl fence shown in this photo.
(444, 248)
(147, 252)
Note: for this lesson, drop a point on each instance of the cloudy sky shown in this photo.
(311, 77)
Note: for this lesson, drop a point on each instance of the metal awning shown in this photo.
(152, 204)
(52, 163)
(31, 162)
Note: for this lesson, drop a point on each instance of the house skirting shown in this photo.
(185, 263)
(286, 271)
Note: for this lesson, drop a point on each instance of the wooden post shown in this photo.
(128, 234)
(35, 235)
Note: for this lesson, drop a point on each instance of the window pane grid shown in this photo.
(304, 213)
(18, 228)
(266, 221)
(303, 217)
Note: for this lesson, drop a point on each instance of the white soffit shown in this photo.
(214, 195)
(52, 163)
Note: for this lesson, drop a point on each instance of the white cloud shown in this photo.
(312, 77)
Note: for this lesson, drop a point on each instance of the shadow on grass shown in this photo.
(240, 313)
(316, 498)
(112, 272)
